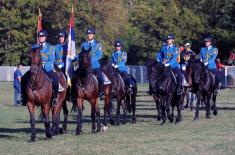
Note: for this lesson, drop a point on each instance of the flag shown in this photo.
(39, 22)
(71, 53)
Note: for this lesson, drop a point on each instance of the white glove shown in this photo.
(115, 66)
(167, 65)
(60, 66)
(205, 63)
(183, 67)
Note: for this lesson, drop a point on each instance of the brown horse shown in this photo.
(85, 87)
(38, 91)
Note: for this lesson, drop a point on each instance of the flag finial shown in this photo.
(39, 12)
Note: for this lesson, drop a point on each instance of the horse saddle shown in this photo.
(184, 81)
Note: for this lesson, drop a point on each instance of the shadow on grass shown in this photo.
(6, 136)
(19, 130)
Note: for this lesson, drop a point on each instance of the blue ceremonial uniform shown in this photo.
(60, 54)
(120, 58)
(208, 55)
(169, 55)
(48, 57)
(96, 52)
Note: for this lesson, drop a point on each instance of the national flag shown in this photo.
(39, 22)
(71, 53)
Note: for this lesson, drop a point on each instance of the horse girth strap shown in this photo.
(173, 74)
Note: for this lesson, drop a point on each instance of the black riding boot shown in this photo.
(99, 76)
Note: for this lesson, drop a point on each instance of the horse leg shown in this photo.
(31, 108)
(66, 112)
(168, 104)
(79, 116)
(46, 111)
(197, 106)
(93, 113)
(179, 108)
(158, 108)
(215, 112)
(208, 108)
(133, 106)
(97, 110)
(124, 108)
(118, 112)
(163, 114)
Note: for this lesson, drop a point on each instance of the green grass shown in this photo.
(147, 136)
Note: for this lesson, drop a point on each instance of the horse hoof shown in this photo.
(163, 123)
(158, 118)
(61, 131)
(133, 121)
(124, 122)
(78, 133)
(171, 119)
(93, 131)
(196, 118)
(32, 141)
(215, 112)
(177, 120)
(49, 135)
(207, 117)
(111, 121)
(104, 128)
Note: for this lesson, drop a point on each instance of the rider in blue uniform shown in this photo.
(208, 55)
(61, 50)
(119, 59)
(96, 55)
(168, 56)
(48, 57)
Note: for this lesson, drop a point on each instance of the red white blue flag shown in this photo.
(71, 49)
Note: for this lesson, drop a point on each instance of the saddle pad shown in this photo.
(106, 79)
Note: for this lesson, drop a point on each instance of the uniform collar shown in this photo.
(209, 47)
(43, 44)
(91, 42)
(170, 45)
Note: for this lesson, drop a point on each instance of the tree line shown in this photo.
(139, 24)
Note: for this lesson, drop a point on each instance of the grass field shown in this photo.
(147, 136)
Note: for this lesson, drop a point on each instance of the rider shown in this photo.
(61, 50)
(48, 57)
(96, 55)
(185, 56)
(168, 56)
(119, 59)
(208, 55)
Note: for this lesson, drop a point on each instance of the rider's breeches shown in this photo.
(54, 80)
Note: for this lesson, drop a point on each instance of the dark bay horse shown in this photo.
(203, 85)
(85, 87)
(118, 87)
(163, 83)
(38, 91)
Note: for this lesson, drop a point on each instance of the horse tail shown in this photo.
(23, 88)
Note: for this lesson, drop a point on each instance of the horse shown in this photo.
(203, 85)
(85, 87)
(165, 88)
(37, 91)
(118, 87)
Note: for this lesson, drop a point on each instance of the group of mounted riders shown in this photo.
(167, 79)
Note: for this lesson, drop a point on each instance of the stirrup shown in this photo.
(60, 88)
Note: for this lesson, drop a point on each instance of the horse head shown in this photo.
(155, 70)
(85, 58)
(198, 69)
(35, 58)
